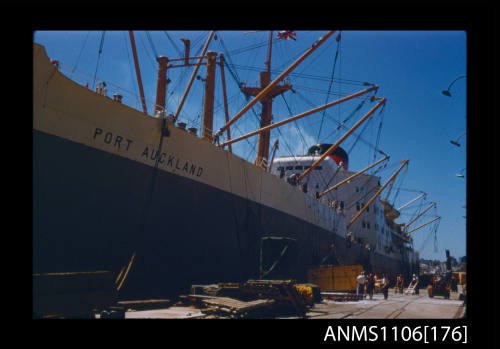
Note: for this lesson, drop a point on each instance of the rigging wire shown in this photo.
(321, 175)
(436, 226)
(148, 54)
(329, 89)
(227, 62)
(360, 105)
(418, 209)
(199, 41)
(98, 57)
(302, 75)
(173, 44)
(295, 123)
(401, 179)
(251, 47)
(379, 132)
(152, 45)
(79, 55)
(432, 231)
(341, 125)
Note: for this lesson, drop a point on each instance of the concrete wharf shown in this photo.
(397, 306)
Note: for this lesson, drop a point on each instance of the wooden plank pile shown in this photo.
(283, 291)
(253, 298)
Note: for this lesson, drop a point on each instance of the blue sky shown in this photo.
(410, 67)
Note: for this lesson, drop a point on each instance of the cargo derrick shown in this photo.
(267, 106)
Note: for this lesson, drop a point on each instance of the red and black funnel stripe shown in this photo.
(339, 155)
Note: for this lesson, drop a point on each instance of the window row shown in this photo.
(360, 206)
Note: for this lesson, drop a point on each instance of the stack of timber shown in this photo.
(280, 290)
(254, 298)
(233, 308)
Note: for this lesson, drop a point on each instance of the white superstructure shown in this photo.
(371, 228)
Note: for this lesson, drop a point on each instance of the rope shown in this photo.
(275, 262)
(98, 57)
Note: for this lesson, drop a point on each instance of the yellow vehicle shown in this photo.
(440, 286)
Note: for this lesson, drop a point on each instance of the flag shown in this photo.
(286, 35)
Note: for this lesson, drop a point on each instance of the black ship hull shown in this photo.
(92, 210)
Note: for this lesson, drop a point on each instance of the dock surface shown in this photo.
(397, 306)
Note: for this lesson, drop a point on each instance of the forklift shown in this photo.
(441, 284)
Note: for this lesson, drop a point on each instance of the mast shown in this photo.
(137, 70)
(161, 85)
(208, 100)
(267, 105)
(404, 163)
(266, 115)
(269, 46)
(269, 87)
(193, 76)
(226, 112)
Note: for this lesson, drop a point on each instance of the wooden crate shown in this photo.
(335, 278)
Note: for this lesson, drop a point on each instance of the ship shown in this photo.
(161, 207)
